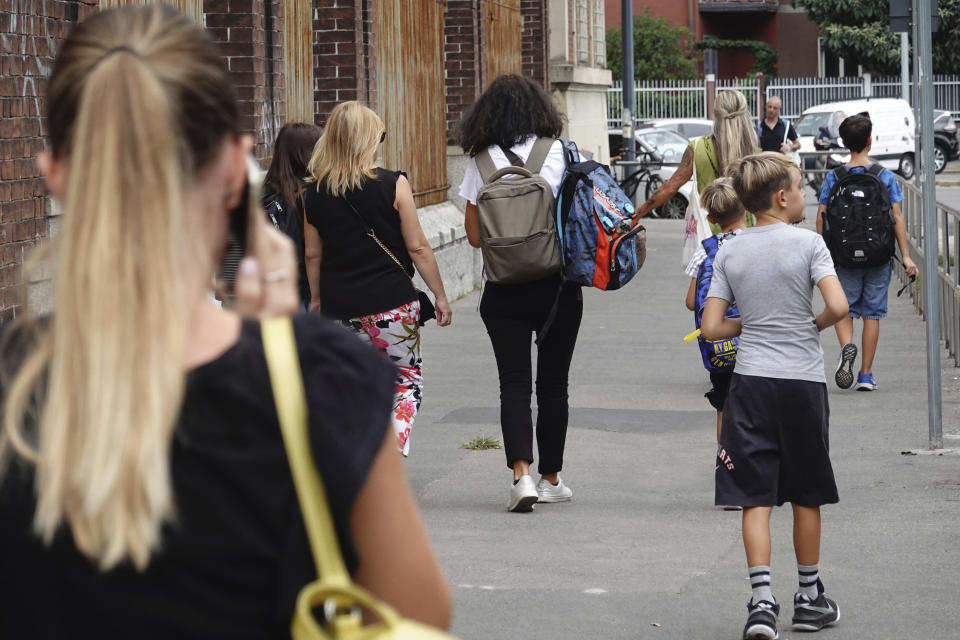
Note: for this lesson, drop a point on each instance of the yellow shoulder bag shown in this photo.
(332, 592)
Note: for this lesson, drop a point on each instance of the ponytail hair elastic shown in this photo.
(121, 48)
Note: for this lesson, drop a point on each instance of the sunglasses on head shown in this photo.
(383, 136)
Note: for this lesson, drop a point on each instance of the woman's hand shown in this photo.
(266, 283)
(444, 312)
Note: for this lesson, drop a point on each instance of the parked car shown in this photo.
(689, 128)
(666, 148)
(893, 129)
(946, 146)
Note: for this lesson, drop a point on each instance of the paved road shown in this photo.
(641, 552)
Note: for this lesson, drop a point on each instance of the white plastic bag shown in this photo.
(696, 227)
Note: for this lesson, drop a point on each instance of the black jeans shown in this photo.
(512, 314)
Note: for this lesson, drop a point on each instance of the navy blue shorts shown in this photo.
(774, 444)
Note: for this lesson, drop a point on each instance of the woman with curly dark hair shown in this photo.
(506, 121)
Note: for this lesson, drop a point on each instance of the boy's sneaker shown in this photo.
(549, 492)
(813, 615)
(761, 621)
(865, 382)
(844, 375)
(523, 495)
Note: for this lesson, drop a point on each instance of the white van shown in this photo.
(893, 129)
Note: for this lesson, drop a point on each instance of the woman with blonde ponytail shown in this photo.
(144, 490)
(734, 137)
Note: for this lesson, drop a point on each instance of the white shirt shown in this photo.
(552, 170)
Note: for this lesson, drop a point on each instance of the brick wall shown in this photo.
(249, 34)
(344, 46)
(30, 34)
(462, 60)
(535, 40)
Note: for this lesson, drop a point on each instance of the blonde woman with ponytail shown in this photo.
(734, 137)
(144, 491)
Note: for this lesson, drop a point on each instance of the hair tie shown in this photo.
(738, 112)
(121, 48)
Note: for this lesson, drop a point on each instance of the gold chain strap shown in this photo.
(373, 234)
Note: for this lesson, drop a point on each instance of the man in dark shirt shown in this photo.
(775, 133)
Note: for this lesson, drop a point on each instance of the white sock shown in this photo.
(809, 575)
(760, 583)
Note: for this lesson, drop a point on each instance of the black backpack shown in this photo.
(858, 223)
(280, 214)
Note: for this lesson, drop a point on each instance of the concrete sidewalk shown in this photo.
(641, 552)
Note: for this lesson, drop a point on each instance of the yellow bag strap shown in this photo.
(286, 380)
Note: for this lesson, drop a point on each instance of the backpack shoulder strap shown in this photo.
(875, 169)
(485, 165)
(514, 159)
(538, 154)
(711, 245)
(570, 153)
(842, 172)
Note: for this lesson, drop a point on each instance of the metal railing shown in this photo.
(660, 99)
(688, 98)
(947, 242)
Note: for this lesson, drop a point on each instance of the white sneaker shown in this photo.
(553, 492)
(523, 495)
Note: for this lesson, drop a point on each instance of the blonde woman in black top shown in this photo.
(363, 239)
(144, 488)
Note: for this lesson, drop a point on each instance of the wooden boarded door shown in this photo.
(501, 39)
(192, 8)
(298, 61)
(410, 94)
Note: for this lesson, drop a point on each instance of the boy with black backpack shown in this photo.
(860, 219)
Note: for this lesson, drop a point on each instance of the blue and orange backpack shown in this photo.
(601, 243)
(718, 355)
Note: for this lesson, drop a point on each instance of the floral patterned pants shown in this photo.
(396, 334)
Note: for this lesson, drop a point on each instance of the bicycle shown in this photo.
(674, 208)
(646, 164)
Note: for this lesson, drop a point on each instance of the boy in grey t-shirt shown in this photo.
(774, 444)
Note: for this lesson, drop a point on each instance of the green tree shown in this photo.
(859, 31)
(662, 50)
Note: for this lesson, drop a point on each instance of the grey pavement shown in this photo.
(641, 552)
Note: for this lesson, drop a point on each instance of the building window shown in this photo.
(583, 32)
(599, 39)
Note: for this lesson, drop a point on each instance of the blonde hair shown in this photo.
(721, 201)
(757, 177)
(137, 103)
(733, 130)
(347, 150)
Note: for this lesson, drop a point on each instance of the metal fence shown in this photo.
(688, 98)
(660, 99)
(749, 87)
(947, 241)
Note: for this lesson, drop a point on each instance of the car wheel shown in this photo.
(675, 208)
(906, 166)
(939, 158)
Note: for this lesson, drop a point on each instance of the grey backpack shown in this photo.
(515, 211)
